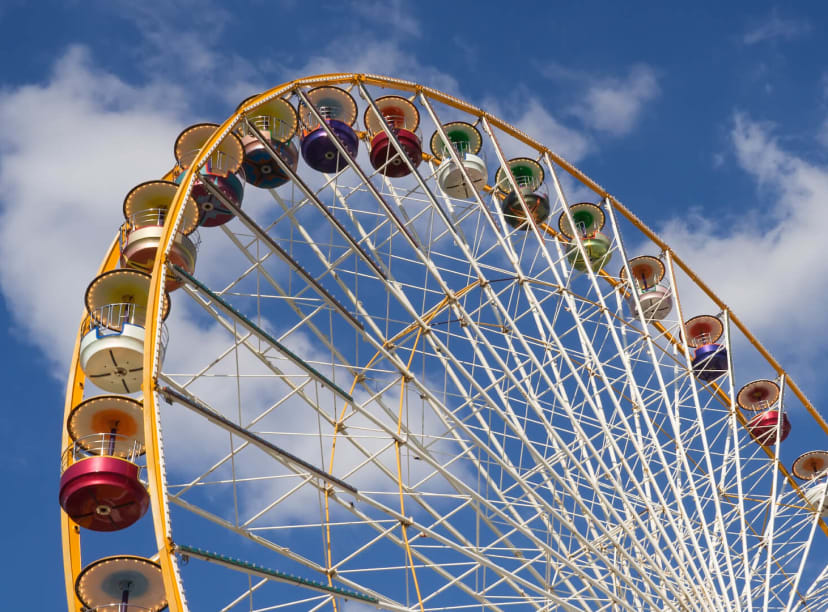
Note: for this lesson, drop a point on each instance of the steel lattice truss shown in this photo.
(488, 427)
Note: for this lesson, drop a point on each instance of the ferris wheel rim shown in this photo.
(158, 272)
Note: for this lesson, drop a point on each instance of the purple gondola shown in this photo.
(709, 359)
(339, 110)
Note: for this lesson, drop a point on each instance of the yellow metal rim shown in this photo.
(70, 533)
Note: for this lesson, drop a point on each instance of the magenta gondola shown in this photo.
(402, 118)
(771, 422)
(100, 488)
(764, 427)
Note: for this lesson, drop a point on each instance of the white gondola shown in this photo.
(655, 299)
(466, 142)
(813, 467)
(112, 347)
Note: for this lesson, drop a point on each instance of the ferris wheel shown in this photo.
(369, 346)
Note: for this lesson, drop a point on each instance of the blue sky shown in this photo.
(710, 122)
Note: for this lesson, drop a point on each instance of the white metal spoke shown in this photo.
(384, 391)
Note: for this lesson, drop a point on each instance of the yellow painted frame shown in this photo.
(74, 391)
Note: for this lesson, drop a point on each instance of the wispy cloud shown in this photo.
(353, 54)
(610, 104)
(62, 181)
(765, 258)
(776, 28)
(395, 16)
(532, 117)
(615, 105)
(822, 135)
(189, 53)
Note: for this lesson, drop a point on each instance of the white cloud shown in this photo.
(80, 141)
(610, 104)
(187, 55)
(769, 264)
(532, 117)
(93, 137)
(356, 54)
(358, 50)
(822, 135)
(775, 28)
(540, 124)
(615, 105)
(394, 17)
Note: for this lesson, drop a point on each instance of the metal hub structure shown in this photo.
(377, 394)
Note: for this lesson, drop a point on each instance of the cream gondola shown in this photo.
(145, 210)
